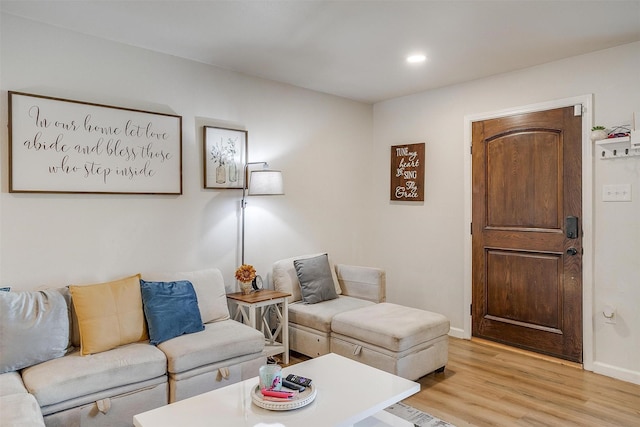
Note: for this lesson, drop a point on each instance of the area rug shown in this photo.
(416, 416)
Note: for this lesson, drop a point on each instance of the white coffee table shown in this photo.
(348, 393)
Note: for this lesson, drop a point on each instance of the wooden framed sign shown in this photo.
(64, 146)
(407, 172)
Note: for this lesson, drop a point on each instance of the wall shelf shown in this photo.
(616, 148)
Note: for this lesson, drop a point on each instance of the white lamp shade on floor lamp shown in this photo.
(265, 183)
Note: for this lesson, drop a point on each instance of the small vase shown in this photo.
(233, 172)
(245, 287)
(221, 174)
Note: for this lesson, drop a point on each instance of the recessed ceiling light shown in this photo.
(413, 59)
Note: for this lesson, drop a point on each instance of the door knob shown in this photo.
(572, 251)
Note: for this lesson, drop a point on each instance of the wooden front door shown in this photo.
(527, 254)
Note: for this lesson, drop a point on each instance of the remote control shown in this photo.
(293, 386)
(305, 382)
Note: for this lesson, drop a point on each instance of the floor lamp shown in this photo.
(261, 182)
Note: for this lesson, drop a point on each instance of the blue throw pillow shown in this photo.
(171, 309)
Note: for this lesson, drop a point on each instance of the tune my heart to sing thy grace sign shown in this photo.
(407, 172)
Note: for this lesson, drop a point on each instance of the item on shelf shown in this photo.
(598, 133)
(619, 131)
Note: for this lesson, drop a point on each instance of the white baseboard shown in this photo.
(616, 372)
(456, 333)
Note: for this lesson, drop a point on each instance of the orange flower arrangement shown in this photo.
(245, 273)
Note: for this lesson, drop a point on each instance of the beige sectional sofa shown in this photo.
(310, 324)
(106, 388)
(355, 321)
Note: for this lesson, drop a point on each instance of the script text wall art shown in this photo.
(64, 146)
(407, 172)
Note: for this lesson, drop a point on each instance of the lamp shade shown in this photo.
(265, 183)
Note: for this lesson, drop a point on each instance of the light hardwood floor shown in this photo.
(490, 385)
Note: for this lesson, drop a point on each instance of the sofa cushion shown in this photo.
(109, 314)
(11, 383)
(34, 327)
(74, 375)
(362, 282)
(285, 277)
(171, 309)
(316, 281)
(391, 326)
(319, 316)
(209, 287)
(219, 341)
(20, 410)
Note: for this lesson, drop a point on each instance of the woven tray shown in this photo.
(300, 400)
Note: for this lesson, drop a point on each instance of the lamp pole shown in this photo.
(243, 202)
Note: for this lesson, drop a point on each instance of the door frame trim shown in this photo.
(587, 211)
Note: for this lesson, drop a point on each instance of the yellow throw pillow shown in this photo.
(109, 314)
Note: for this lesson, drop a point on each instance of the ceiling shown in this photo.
(353, 49)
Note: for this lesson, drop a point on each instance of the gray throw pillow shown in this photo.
(316, 281)
(34, 328)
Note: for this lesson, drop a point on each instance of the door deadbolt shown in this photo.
(571, 227)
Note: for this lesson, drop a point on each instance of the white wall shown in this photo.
(423, 243)
(318, 141)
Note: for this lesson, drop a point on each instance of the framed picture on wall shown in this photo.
(65, 146)
(407, 172)
(225, 153)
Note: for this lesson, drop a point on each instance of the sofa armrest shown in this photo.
(20, 409)
(366, 283)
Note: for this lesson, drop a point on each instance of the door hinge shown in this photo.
(471, 149)
(577, 110)
(470, 309)
(471, 228)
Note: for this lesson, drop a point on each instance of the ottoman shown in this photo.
(404, 341)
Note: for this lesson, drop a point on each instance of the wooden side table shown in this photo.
(254, 310)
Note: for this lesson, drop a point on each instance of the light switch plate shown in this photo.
(616, 193)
